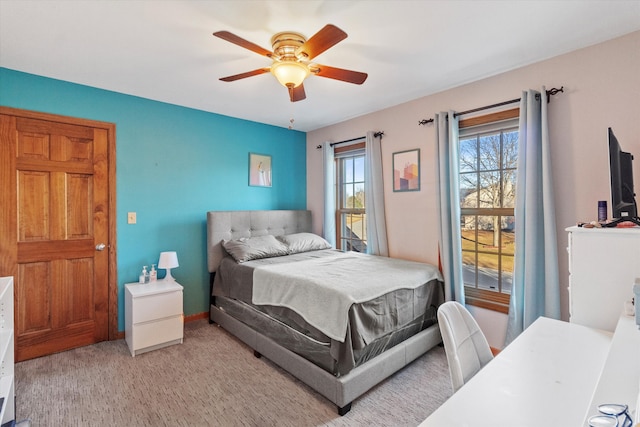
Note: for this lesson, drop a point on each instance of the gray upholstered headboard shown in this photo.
(227, 225)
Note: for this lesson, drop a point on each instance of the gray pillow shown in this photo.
(248, 248)
(304, 242)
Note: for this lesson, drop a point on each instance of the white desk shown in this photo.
(545, 377)
(620, 378)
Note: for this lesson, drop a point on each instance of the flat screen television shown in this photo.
(623, 202)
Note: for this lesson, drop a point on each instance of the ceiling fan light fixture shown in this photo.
(290, 73)
(290, 56)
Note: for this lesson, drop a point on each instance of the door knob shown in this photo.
(100, 247)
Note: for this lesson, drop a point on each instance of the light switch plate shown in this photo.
(131, 218)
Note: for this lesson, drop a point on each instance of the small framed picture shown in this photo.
(259, 170)
(406, 170)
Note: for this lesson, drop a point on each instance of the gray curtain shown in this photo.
(329, 222)
(374, 197)
(447, 169)
(536, 287)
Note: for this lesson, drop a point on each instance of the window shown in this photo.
(488, 161)
(351, 233)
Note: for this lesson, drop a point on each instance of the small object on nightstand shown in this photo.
(153, 274)
(144, 275)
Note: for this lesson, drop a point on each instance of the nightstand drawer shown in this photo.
(158, 306)
(158, 332)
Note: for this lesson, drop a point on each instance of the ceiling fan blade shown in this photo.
(245, 75)
(297, 93)
(348, 76)
(328, 36)
(230, 37)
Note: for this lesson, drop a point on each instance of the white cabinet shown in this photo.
(7, 385)
(153, 315)
(603, 266)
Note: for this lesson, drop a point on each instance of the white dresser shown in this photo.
(7, 382)
(603, 265)
(153, 315)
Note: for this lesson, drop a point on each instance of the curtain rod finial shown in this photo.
(553, 91)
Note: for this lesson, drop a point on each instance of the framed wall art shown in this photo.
(406, 170)
(259, 170)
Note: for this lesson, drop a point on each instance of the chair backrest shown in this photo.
(466, 347)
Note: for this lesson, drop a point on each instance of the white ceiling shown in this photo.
(165, 51)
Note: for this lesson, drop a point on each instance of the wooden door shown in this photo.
(55, 232)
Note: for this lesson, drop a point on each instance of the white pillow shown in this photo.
(304, 242)
(248, 248)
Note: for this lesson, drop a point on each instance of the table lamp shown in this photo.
(168, 260)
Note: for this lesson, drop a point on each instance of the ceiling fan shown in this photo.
(291, 57)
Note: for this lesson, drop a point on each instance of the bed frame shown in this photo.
(339, 390)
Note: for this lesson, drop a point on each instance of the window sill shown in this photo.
(488, 300)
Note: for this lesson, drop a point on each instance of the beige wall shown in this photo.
(601, 89)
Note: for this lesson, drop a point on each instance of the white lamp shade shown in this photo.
(168, 260)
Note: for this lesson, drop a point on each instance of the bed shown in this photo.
(259, 261)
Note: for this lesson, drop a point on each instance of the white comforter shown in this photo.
(322, 290)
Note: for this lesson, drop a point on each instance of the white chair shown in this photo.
(466, 347)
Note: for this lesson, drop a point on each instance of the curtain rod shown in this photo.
(346, 140)
(350, 140)
(550, 93)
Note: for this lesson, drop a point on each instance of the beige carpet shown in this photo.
(210, 380)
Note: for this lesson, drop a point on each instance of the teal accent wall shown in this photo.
(173, 164)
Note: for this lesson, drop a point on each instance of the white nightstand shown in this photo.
(153, 315)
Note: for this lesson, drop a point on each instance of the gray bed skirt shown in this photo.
(339, 390)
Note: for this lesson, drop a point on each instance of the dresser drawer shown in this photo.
(151, 307)
(158, 332)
